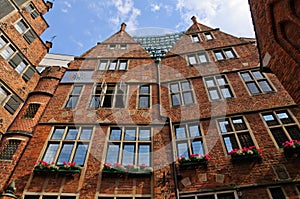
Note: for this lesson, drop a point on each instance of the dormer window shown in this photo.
(112, 46)
(123, 46)
(208, 36)
(195, 38)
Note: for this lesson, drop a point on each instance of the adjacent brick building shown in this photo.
(155, 117)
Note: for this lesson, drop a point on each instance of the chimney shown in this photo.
(49, 5)
(48, 45)
(194, 19)
(123, 26)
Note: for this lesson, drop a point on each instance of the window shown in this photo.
(4, 94)
(109, 96)
(112, 46)
(10, 101)
(223, 54)
(195, 38)
(129, 145)
(208, 36)
(32, 10)
(48, 197)
(31, 111)
(256, 82)
(15, 59)
(198, 58)
(181, 93)
(282, 126)
(189, 140)
(113, 65)
(277, 193)
(124, 197)
(25, 31)
(123, 46)
(218, 87)
(235, 133)
(9, 149)
(144, 96)
(222, 195)
(68, 144)
(74, 96)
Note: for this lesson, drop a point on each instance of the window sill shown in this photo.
(60, 170)
(194, 163)
(133, 172)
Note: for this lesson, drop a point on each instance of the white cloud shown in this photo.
(230, 16)
(67, 4)
(155, 7)
(64, 10)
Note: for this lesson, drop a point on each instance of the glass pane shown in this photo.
(76, 90)
(95, 102)
(182, 149)
(72, 102)
(65, 154)
(144, 155)
(239, 124)
(176, 101)
(225, 126)
(206, 197)
(219, 55)
(57, 134)
(194, 130)
(50, 153)
(72, 134)
(123, 65)
(130, 134)
(214, 94)
(180, 132)
(221, 80)
(185, 86)
(32, 197)
(128, 154)
(115, 134)
(112, 153)
(86, 134)
(144, 134)
(192, 60)
(7, 52)
(284, 117)
(80, 154)
(113, 65)
(21, 27)
(245, 139)
(230, 142)
(2, 42)
(229, 53)
(265, 86)
(202, 58)
(174, 88)
(20, 68)
(49, 197)
(270, 119)
(279, 136)
(195, 38)
(3, 94)
(197, 147)
(226, 92)
(253, 88)
(208, 36)
(188, 98)
(293, 132)
(144, 90)
(246, 76)
(144, 102)
(226, 196)
(258, 75)
(210, 82)
(102, 65)
(277, 193)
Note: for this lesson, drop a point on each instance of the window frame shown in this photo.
(208, 33)
(110, 61)
(218, 87)
(224, 55)
(30, 114)
(11, 147)
(64, 140)
(71, 94)
(181, 93)
(274, 187)
(32, 10)
(235, 133)
(11, 102)
(123, 142)
(58, 195)
(280, 125)
(197, 59)
(145, 95)
(214, 194)
(189, 139)
(256, 81)
(193, 36)
(105, 93)
(25, 33)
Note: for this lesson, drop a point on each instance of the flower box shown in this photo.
(194, 160)
(42, 166)
(246, 154)
(130, 169)
(291, 148)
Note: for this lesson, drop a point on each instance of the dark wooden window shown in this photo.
(9, 149)
(31, 111)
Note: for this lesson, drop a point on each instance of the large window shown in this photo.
(27, 33)
(10, 101)
(282, 126)
(189, 140)
(198, 58)
(68, 144)
(235, 133)
(219, 195)
(256, 82)
(113, 64)
(144, 96)
(226, 53)
(15, 59)
(9, 149)
(277, 193)
(49, 196)
(218, 87)
(129, 146)
(32, 10)
(110, 95)
(74, 96)
(181, 93)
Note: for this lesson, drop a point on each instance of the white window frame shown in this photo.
(117, 66)
(24, 29)
(208, 33)
(224, 54)
(215, 194)
(148, 95)
(71, 94)
(197, 58)
(193, 36)
(218, 87)
(181, 93)
(32, 10)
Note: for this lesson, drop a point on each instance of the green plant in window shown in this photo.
(42, 165)
(291, 148)
(245, 153)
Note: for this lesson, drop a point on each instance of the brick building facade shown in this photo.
(155, 117)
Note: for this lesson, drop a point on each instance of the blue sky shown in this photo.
(79, 24)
